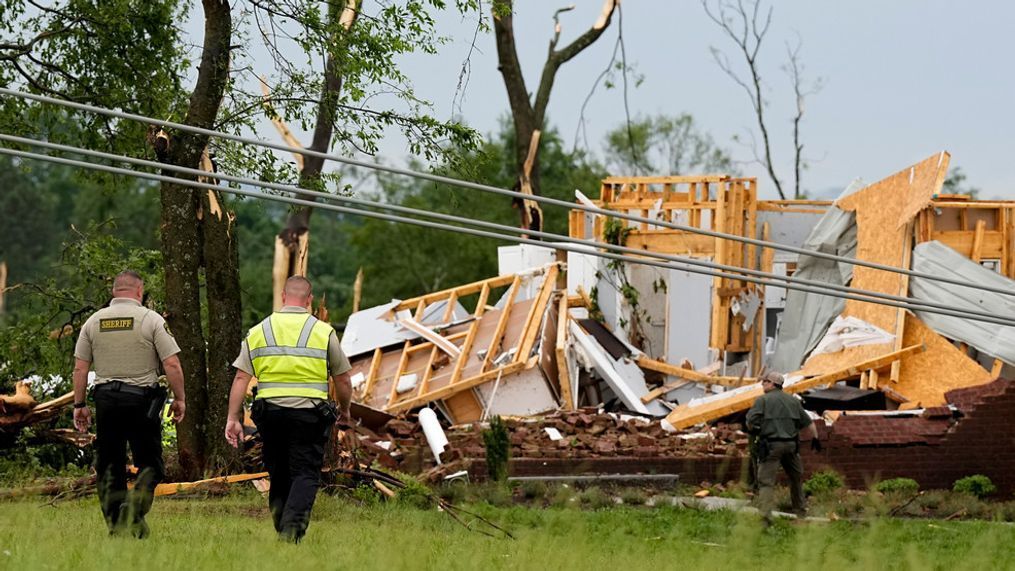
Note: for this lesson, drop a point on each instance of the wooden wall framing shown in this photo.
(488, 334)
(719, 203)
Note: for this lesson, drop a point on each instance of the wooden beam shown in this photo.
(501, 323)
(645, 362)
(449, 390)
(672, 242)
(563, 375)
(169, 489)
(995, 370)
(975, 253)
(623, 180)
(658, 392)
(685, 416)
(404, 359)
(470, 337)
(900, 315)
(375, 365)
(461, 291)
(535, 317)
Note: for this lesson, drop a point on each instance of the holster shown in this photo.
(327, 410)
(257, 410)
(157, 402)
(762, 449)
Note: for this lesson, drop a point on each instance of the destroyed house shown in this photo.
(562, 330)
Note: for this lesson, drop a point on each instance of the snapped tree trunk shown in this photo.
(294, 237)
(528, 114)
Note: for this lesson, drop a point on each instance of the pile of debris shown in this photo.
(577, 436)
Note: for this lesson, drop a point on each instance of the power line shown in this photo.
(480, 223)
(483, 233)
(492, 189)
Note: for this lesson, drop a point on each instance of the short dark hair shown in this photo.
(298, 286)
(127, 280)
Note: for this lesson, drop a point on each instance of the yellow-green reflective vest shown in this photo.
(289, 352)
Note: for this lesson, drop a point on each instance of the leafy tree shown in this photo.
(57, 305)
(664, 145)
(955, 183)
(132, 54)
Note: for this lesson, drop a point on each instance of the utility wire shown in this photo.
(492, 189)
(482, 223)
(482, 233)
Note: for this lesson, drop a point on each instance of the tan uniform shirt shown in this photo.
(338, 363)
(126, 342)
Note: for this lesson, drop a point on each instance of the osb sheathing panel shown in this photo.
(883, 210)
(925, 377)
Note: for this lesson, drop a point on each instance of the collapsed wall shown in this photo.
(935, 448)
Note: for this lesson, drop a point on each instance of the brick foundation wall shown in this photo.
(935, 450)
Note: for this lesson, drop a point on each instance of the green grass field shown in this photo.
(235, 533)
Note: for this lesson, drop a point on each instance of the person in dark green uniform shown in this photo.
(776, 420)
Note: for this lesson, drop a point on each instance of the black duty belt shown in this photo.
(793, 439)
(122, 387)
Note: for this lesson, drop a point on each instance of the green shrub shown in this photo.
(454, 492)
(414, 494)
(978, 485)
(907, 486)
(366, 495)
(533, 489)
(497, 442)
(823, 482)
(563, 496)
(595, 498)
(493, 493)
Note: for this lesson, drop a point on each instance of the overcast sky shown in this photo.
(902, 80)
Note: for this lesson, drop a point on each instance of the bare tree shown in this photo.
(527, 113)
(747, 24)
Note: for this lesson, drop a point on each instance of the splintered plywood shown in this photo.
(925, 377)
(883, 211)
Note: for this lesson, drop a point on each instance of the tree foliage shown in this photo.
(664, 145)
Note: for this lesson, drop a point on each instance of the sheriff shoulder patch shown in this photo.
(116, 324)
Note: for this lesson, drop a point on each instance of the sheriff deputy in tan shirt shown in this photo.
(126, 344)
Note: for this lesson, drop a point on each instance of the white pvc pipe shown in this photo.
(435, 436)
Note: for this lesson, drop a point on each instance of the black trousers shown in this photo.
(121, 419)
(293, 441)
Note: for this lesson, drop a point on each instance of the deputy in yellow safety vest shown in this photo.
(293, 355)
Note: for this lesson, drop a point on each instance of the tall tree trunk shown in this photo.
(527, 114)
(222, 276)
(181, 254)
(183, 244)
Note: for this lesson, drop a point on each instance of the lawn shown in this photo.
(235, 532)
